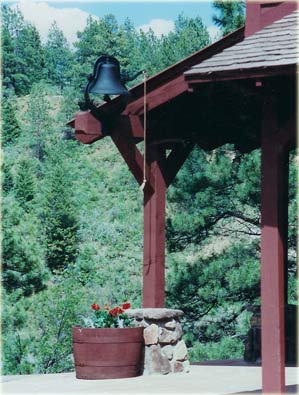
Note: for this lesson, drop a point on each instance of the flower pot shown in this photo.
(107, 353)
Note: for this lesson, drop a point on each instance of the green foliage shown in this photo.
(25, 182)
(226, 348)
(23, 53)
(23, 265)
(38, 119)
(189, 36)
(10, 126)
(15, 359)
(58, 212)
(37, 330)
(203, 196)
(57, 57)
(230, 15)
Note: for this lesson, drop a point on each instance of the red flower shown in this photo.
(116, 311)
(113, 312)
(95, 306)
(126, 305)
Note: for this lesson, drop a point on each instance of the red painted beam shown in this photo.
(158, 96)
(87, 128)
(130, 124)
(132, 156)
(154, 232)
(274, 200)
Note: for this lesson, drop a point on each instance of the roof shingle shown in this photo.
(274, 45)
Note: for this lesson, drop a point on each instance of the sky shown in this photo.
(71, 16)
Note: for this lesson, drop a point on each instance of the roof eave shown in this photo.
(245, 73)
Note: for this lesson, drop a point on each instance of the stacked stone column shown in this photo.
(164, 351)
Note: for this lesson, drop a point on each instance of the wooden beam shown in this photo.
(86, 138)
(132, 156)
(86, 123)
(161, 95)
(154, 232)
(274, 199)
(130, 124)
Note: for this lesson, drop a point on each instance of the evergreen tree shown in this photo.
(210, 192)
(30, 63)
(7, 179)
(12, 20)
(190, 35)
(10, 126)
(149, 52)
(8, 60)
(128, 53)
(23, 54)
(25, 183)
(38, 119)
(230, 14)
(58, 57)
(58, 213)
(23, 265)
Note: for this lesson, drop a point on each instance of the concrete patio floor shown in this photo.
(200, 380)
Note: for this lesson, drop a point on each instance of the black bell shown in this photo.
(106, 79)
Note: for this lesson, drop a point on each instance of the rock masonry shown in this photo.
(164, 349)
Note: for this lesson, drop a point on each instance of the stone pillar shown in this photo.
(164, 351)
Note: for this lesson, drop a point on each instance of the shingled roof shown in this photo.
(275, 45)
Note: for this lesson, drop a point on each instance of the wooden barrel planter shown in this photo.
(107, 353)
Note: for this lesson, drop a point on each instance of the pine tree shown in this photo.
(189, 36)
(10, 126)
(23, 53)
(57, 57)
(25, 183)
(23, 264)
(8, 60)
(30, 62)
(59, 217)
(230, 15)
(38, 119)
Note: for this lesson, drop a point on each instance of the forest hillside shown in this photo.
(72, 213)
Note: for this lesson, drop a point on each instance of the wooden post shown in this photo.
(154, 231)
(274, 199)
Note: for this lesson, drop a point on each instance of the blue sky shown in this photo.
(142, 12)
(71, 16)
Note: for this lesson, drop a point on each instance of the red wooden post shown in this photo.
(274, 198)
(154, 231)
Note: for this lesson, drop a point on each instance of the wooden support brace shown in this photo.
(132, 156)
